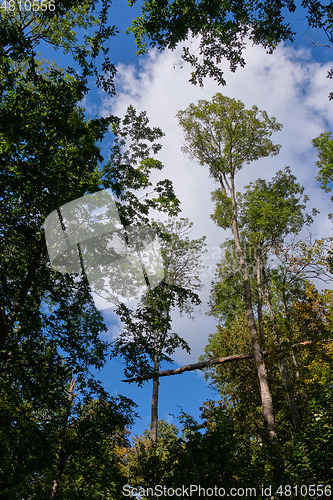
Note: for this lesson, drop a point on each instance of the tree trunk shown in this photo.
(287, 323)
(295, 362)
(259, 293)
(281, 361)
(265, 393)
(154, 400)
(62, 456)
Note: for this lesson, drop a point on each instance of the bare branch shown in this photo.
(206, 364)
(191, 367)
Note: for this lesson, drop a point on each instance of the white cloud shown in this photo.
(287, 84)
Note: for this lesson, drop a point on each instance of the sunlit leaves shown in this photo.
(222, 29)
(224, 135)
(271, 210)
(69, 25)
(324, 145)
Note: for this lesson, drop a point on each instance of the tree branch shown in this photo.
(206, 364)
(191, 367)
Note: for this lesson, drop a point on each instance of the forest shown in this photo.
(269, 432)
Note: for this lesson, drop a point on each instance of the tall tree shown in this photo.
(269, 212)
(146, 339)
(224, 135)
(50, 330)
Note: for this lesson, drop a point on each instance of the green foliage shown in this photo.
(67, 25)
(178, 290)
(211, 453)
(223, 28)
(225, 342)
(132, 160)
(75, 441)
(148, 465)
(271, 211)
(227, 293)
(50, 329)
(224, 135)
(302, 457)
(310, 451)
(222, 215)
(50, 155)
(312, 313)
(268, 213)
(308, 318)
(203, 453)
(324, 145)
(181, 255)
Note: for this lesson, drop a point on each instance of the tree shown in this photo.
(68, 451)
(223, 29)
(210, 454)
(146, 339)
(181, 258)
(50, 330)
(86, 452)
(68, 25)
(49, 155)
(223, 135)
(270, 212)
(302, 317)
(147, 466)
(132, 160)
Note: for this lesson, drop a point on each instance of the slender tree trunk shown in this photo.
(62, 455)
(265, 392)
(295, 362)
(287, 322)
(259, 292)
(281, 361)
(156, 382)
(154, 400)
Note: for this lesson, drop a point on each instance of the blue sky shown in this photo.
(291, 84)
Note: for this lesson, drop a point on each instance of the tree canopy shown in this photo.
(223, 29)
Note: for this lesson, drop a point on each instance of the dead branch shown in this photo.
(191, 367)
(205, 364)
